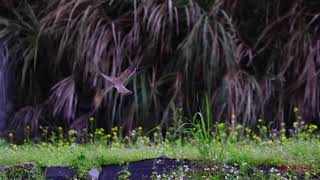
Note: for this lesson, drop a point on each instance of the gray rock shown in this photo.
(93, 174)
(60, 173)
(26, 165)
(27, 171)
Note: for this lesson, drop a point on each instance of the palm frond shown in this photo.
(64, 99)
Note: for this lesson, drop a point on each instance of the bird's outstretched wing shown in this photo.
(107, 77)
(127, 73)
(117, 84)
(124, 76)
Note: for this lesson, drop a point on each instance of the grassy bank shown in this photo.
(201, 142)
(85, 156)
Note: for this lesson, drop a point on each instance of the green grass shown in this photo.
(289, 153)
(86, 156)
(210, 143)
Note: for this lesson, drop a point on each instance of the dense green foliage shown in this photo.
(253, 59)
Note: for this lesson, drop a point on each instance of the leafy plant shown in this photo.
(252, 59)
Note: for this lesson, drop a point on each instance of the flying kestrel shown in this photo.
(118, 82)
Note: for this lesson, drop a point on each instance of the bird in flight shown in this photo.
(118, 82)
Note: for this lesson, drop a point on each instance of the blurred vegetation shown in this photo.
(252, 59)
